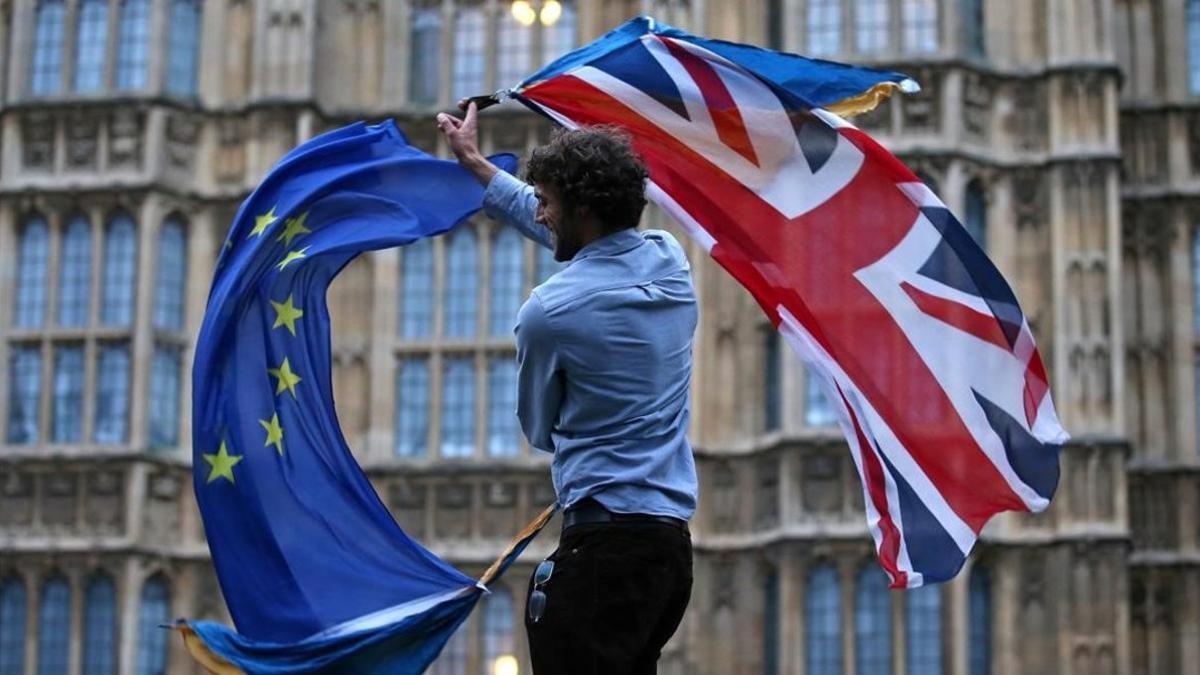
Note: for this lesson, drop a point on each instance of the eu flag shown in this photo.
(315, 571)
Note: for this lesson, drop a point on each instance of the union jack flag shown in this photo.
(912, 332)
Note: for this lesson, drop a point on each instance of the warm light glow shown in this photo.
(505, 665)
(551, 11)
(523, 12)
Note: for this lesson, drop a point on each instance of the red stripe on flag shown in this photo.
(730, 127)
(983, 326)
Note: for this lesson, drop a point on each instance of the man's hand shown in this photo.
(463, 137)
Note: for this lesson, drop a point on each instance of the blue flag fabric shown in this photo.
(314, 569)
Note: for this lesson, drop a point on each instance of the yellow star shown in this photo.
(222, 464)
(286, 314)
(261, 223)
(287, 379)
(274, 433)
(294, 228)
(292, 256)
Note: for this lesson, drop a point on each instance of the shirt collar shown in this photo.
(611, 244)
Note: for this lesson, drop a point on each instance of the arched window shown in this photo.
(152, 639)
(979, 618)
(91, 45)
(416, 298)
(32, 272)
(470, 57)
(824, 27)
(164, 397)
(771, 622)
(920, 19)
(546, 264)
(133, 43)
(508, 276)
(112, 394)
(973, 33)
(24, 394)
(171, 280)
(458, 406)
(514, 49)
(426, 48)
(872, 25)
(54, 626)
(502, 407)
(412, 407)
(872, 622)
(462, 283)
(498, 638)
(100, 626)
(772, 380)
(823, 621)
(68, 394)
(12, 626)
(45, 76)
(75, 274)
(120, 271)
(817, 410)
(559, 37)
(184, 48)
(976, 212)
(923, 637)
(453, 659)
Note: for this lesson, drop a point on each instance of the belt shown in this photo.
(590, 511)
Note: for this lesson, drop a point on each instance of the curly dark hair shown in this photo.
(594, 167)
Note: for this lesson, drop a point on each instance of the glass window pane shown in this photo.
(46, 68)
(824, 27)
(823, 621)
(426, 40)
(120, 272)
(508, 277)
(68, 394)
(514, 51)
(979, 598)
(412, 407)
(12, 627)
(100, 627)
(32, 272)
(75, 274)
(977, 214)
(416, 298)
(771, 379)
(771, 622)
(172, 276)
(462, 283)
(920, 25)
(54, 627)
(112, 395)
(817, 410)
(973, 33)
(164, 397)
(152, 640)
(923, 637)
(873, 622)
(184, 51)
(503, 438)
(498, 625)
(561, 36)
(458, 406)
(24, 394)
(871, 25)
(133, 42)
(91, 45)
(470, 44)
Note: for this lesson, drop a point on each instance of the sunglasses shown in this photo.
(537, 598)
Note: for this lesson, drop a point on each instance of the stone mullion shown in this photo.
(203, 245)
(75, 582)
(8, 261)
(91, 347)
(111, 46)
(484, 230)
(142, 343)
(70, 45)
(46, 409)
(436, 357)
(381, 423)
(446, 63)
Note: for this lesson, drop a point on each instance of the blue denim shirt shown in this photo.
(604, 354)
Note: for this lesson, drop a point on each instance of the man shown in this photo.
(604, 351)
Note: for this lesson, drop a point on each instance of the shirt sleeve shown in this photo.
(539, 376)
(512, 202)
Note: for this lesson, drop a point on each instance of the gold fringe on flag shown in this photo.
(871, 98)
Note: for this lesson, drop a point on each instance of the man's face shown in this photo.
(553, 214)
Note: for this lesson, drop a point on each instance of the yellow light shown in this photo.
(505, 665)
(523, 12)
(551, 11)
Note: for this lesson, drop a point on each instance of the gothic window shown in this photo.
(976, 213)
(133, 44)
(112, 394)
(75, 274)
(772, 394)
(462, 283)
(871, 26)
(771, 622)
(508, 276)
(872, 622)
(100, 626)
(54, 627)
(12, 626)
(68, 394)
(164, 397)
(823, 621)
(546, 264)
(91, 45)
(514, 49)
(559, 38)
(120, 271)
(824, 27)
(470, 57)
(416, 311)
(920, 19)
(453, 659)
(1193, 40)
(973, 32)
(32, 270)
(155, 611)
(499, 644)
(458, 406)
(502, 407)
(24, 394)
(46, 73)
(412, 407)
(817, 410)
(184, 55)
(426, 41)
(170, 285)
(923, 630)
(1196, 278)
(979, 622)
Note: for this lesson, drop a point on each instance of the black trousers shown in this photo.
(617, 593)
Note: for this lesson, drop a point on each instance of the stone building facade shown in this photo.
(1066, 133)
